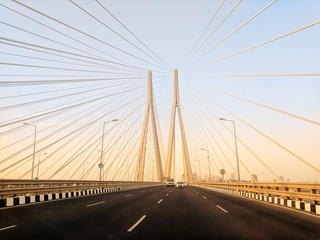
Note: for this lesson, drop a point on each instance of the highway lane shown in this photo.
(157, 213)
(104, 216)
(265, 221)
(196, 213)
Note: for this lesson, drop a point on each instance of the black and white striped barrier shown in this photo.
(21, 200)
(300, 205)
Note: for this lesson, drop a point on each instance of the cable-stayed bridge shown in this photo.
(104, 102)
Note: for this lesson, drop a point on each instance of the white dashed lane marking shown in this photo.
(222, 209)
(9, 227)
(136, 224)
(94, 204)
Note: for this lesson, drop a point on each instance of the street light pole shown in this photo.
(37, 177)
(235, 142)
(34, 146)
(208, 162)
(199, 168)
(102, 140)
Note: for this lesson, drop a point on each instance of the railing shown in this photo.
(308, 192)
(15, 188)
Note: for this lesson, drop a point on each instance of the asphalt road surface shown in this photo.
(157, 213)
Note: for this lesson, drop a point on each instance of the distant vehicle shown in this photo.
(170, 182)
(180, 184)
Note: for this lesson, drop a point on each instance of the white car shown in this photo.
(180, 185)
(170, 184)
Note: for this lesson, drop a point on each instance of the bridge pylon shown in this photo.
(176, 107)
(150, 112)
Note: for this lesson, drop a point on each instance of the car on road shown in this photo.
(180, 185)
(170, 184)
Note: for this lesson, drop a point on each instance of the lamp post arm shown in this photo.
(34, 149)
(101, 152)
(102, 141)
(236, 148)
(235, 143)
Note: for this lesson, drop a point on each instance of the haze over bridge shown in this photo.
(90, 96)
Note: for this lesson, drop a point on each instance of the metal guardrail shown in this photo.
(15, 188)
(309, 192)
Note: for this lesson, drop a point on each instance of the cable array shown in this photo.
(66, 81)
(69, 110)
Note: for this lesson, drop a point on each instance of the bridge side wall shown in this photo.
(296, 204)
(22, 200)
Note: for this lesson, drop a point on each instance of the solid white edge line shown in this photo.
(6, 228)
(222, 209)
(93, 204)
(136, 224)
(160, 200)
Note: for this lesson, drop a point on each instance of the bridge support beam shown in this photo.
(171, 143)
(150, 112)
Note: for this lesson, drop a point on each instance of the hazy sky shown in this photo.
(60, 41)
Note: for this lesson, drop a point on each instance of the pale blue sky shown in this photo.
(170, 28)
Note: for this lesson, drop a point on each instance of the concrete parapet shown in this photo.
(296, 204)
(20, 200)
